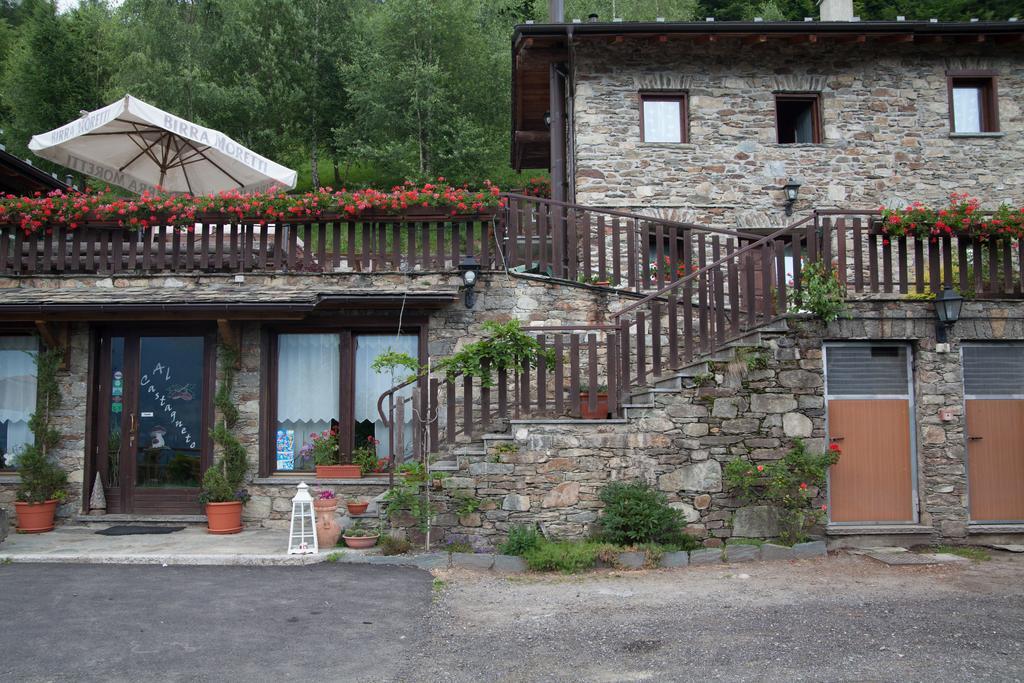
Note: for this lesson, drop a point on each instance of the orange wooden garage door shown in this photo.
(995, 459)
(869, 411)
(872, 481)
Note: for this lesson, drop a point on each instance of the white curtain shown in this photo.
(307, 387)
(370, 384)
(662, 121)
(967, 110)
(17, 392)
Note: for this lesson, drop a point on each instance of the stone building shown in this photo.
(664, 269)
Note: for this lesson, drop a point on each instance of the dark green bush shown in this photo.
(390, 545)
(635, 513)
(521, 539)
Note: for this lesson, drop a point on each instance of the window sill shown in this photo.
(667, 145)
(995, 134)
(310, 478)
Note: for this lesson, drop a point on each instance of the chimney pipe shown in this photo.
(556, 11)
(836, 10)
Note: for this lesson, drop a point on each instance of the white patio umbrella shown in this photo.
(141, 147)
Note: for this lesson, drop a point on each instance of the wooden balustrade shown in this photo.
(369, 244)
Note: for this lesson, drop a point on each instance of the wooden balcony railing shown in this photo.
(385, 243)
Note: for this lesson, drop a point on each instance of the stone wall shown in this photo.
(885, 135)
(550, 473)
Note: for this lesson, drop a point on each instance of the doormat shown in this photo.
(128, 530)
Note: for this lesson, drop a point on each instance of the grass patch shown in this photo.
(567, 557)
(437, 589)
(971, 553)
(333, 557)
(746, 541)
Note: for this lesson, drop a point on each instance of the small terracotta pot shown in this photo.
(35, 518)
(356, 507)
(360, 542)
(602, 406)
(327, 528)
(224, 518)
(338, 472)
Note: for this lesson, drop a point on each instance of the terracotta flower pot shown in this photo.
(356, 507)
(338, 472)
(327, 528)
(224, 518)
(602, 406)
(35, 518)
(360, 542)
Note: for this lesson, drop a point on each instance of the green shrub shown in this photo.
(568, 557)
(521, 539)
(821, 292)
(635, 514)
(390, 545)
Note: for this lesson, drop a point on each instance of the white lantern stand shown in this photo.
(302, 535)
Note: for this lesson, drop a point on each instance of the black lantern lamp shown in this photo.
(547, 120)
(470, 269)
(792, 189)
(947, 307)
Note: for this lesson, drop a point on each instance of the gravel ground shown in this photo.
(847, 618)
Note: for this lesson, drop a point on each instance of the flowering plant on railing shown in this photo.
(72, 209)
(962, 216)
(681, 268)
(537, 187)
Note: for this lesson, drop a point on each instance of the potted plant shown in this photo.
(43, 483)
(359, 537)
(327, 529)
(222, 493)
(328, 458)
(601, 412)
(357, 507)
(365, 456)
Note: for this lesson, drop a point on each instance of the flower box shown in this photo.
(338, 472)
(601, 413)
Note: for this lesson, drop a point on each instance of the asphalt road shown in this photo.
(150, 623)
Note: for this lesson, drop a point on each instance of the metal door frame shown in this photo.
(909, 396)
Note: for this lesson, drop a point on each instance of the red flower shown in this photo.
(803, 486)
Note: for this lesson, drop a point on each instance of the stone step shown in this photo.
(447, 465)
(141, 520)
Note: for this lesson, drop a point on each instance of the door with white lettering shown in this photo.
(156, 398)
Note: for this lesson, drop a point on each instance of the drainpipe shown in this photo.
(556, 11)
(556, 105)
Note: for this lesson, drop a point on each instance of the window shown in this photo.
(973, 103)
(798, 118)
(324, 382)
(663, 117)
(17, 396)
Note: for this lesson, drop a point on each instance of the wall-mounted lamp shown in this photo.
(470, 269)
(547, 120)
(792, 189)
(947, 308)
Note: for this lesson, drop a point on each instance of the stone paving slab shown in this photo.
(916, 559)
(1009, 547)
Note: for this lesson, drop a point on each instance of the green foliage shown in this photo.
(333, 557)
(971, 553)
(467, 505)
(366, 456)
(821, 292)
(223, 482)
(360, 530)
(568, 557)
(508, 447)
(391, 545)
(392, 360)
(506, 347)
(634, 513)
(409, 493)
(521, 539)
(789, 484)
(41, 478)
(703, 378)
(458, 547)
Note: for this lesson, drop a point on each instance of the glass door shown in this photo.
(153, 443)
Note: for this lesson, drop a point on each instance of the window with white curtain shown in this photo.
(370, 384)
(663, 117)
(973, 103)
(308, 375)
(17, 396)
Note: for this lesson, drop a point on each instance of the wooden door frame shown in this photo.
(980, 397)
(912, 427)
(132, 333)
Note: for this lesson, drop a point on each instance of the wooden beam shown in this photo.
(56, 336)
(526, 136)
(752, 40)
(229, 335)
(901, 38)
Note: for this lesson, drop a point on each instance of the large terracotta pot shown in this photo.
(35, 518)
(224, 518)
(338, 472)
(360, 542)
(327, 529)
(602, 406)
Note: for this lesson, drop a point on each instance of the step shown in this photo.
(148, 520)
(446, 465)
(472, 449)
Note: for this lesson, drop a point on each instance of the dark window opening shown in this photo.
(797, 119)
